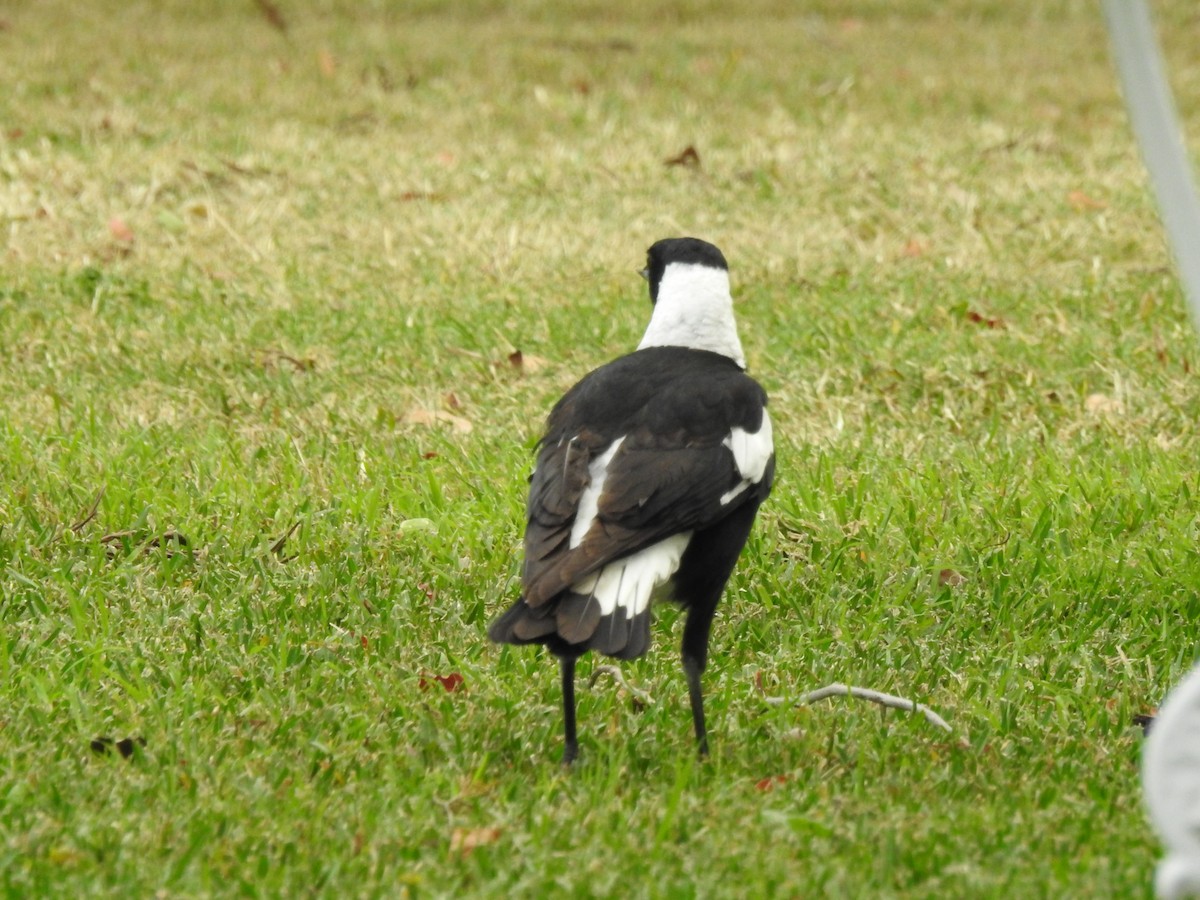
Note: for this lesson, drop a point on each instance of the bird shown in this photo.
(646, 483)
(1171, 784)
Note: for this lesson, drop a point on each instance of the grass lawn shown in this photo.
(264, 438)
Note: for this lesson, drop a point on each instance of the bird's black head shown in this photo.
(679, 250)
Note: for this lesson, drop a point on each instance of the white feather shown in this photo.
(628, 583)
(1171, 780)
(589, 500)
(751, 452)
(694, 309)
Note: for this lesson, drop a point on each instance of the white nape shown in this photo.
(589, 500)
(751, 453)
(1171, 782)
(628, 583)
(694, 309)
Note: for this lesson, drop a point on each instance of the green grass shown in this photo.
(340, 230)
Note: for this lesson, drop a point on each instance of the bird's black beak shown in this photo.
(645, 273)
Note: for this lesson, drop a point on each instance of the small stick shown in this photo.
(638, 694)
(91, 513)
(115, 536)
(889, 700)
(277, 547)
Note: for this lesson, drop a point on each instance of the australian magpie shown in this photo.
(648, 477)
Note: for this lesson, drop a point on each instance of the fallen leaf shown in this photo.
(980, 319)
(379, 76)
(915, 247)
(769, 784)
(688, 158)
(272, 14)
(465, 840)
(1081, 201)
(1102, 405)
(429, 454)
(525, 362)
(450, 683)
(419, 416)
(119, 230)
(430, 196)
(451, 400)
(951, 578)
(326, 63)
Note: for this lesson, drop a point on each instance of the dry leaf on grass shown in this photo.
(464, 840)
(980, 319)
(1081, 201)
(525, 362)
(451, 682)
(951, 578)
(430, 417)
(769, 784)
(119, 230)
(1103, 405)
(688, 158)
(326, 63)
(272, 14)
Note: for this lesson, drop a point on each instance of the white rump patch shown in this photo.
(751, 452)
(589, 500)
(628, 583)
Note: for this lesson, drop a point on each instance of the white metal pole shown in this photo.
(1156, 125)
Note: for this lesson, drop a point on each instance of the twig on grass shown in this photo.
(888, 700)
(118, 538)
(91, 513)
(638, 694)
(277, 546)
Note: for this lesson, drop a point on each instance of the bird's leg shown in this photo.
(571, 746)
(703, 571)
(692, 668)
(695, 658)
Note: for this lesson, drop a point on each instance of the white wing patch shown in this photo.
(751, 452)
(589, 500)
(629, 582)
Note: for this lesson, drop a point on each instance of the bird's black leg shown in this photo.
(571, 746)
(692, 668)
(705, 568)
(695, 658)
